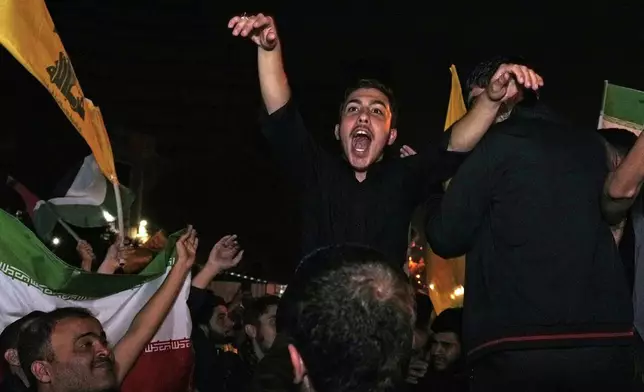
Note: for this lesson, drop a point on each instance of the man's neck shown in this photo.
(360, 175)
(259, 353)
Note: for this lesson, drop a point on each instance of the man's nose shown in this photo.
(364, 116)
(103, 350)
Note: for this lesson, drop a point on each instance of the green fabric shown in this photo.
(92, 216)
(24, 257)
(624, 105)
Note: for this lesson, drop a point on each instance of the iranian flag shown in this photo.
(623, 108)
(84, 198)
(32, 278)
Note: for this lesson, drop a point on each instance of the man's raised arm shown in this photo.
(272, 78)
(502, 89)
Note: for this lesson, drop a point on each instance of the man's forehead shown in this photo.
(446, 337)
(368, 95)
(74, 327)
(271, 310)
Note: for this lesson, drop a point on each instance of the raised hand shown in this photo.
(187, 247)
(406, 151)
(259, 28)
(85, 250)
(225, 254)
(504, 83)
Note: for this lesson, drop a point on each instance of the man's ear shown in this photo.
(336, 132)
(42, 371)
(299, 369)
(11, 356)
(393, 134)
(251, 331)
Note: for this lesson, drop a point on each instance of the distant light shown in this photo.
(108, 217)
(55, 241)
(143, 223)
(142, 233)
(419, 282)
(459, 291)
(418, 276)
(431, 286)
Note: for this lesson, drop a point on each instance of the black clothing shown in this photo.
(11, 383)
(335, 207)
(582, 369)
(216, 369)
(542, 267)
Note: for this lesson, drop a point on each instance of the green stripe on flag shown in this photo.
(24, 257)
(623, 105)
(84, 215)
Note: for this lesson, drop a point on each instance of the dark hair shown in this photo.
(11, 334)
(450, 320)
(350, 314)
(376, 85)
(204, 313)
(622, 140)
(35, 340)
(482, 74)
(257, 308)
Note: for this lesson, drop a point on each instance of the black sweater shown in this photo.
(542, 267)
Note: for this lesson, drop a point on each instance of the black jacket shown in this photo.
(542, 267)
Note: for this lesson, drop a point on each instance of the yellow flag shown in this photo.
(29, 34)
(445, 278)
(456, 108)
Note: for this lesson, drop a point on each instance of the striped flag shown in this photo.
(83, 199)
(623, 107)
(32, 278)
(28, 33)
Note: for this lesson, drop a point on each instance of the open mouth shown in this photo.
(361, 139)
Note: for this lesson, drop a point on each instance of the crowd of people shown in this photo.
(547, 213)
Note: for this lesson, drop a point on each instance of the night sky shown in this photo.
(171, 69)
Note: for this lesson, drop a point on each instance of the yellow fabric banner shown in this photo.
(29, 34)
(445, 278)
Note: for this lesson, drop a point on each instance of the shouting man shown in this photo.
(362, 197)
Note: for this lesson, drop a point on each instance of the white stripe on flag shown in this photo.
(115, 312)
(89, 186)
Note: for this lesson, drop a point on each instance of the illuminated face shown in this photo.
(365, 127)
(82, 359)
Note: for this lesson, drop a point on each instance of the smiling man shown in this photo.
(362, 197)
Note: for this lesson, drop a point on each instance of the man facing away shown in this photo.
(547, 306)
(363, 198)
(348, 319)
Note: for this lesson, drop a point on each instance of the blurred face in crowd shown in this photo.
(266, 331)
(220, 323)
(445, 351)
(365, 127)
(81, 360)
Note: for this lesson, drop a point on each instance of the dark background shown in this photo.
(172, 70)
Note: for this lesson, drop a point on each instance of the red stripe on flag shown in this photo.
(29, 198)
(163, 367)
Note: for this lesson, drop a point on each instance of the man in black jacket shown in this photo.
(547, 306)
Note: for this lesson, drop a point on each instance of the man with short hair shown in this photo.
(362, 196)
(66, 350)
(546, 306)
(13, 377)
(259, 327)
(348, 320)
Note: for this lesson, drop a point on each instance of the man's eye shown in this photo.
(352, 109)
(377, 111)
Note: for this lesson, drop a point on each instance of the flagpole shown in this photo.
(119, 210)
(601, 112)
(69, 230)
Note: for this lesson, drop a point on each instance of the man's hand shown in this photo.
(187, 247)
(504, 83)
(225, 254)
(85, 250)
(417, 370)
(260, 29)
(406, 151)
